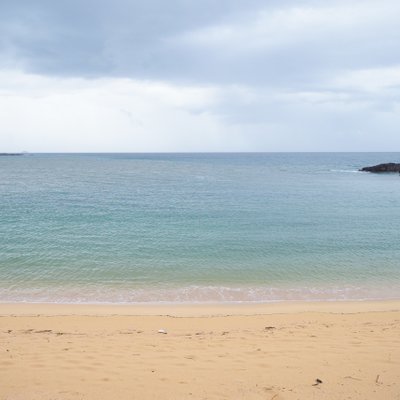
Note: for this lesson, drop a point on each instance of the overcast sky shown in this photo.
(209, 75)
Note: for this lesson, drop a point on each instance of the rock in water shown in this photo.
(388, 167)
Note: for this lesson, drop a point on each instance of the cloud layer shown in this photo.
(199, 76)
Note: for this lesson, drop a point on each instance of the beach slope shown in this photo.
(290, 351)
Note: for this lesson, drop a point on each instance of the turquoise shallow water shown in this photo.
(198, 227)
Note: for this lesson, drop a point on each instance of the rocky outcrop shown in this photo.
(388, 167)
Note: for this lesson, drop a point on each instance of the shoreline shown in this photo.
(198, 309)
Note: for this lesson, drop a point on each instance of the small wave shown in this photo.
(346, 171)
(193, 294)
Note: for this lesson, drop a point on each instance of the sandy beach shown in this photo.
(277, 351)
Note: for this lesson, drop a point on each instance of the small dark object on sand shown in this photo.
(317, 382)
(268, 328)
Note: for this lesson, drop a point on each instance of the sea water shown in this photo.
(128, 228)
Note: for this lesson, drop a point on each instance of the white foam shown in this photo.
(194, 294)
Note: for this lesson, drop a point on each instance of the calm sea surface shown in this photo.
(198, 227)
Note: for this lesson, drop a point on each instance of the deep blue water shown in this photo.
(198, 227)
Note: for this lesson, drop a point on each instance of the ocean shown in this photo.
(207, 227)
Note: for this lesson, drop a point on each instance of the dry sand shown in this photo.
(268, 352)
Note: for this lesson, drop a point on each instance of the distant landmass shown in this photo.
(388, 167)
(11, 154)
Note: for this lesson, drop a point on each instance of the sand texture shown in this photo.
(246, 355)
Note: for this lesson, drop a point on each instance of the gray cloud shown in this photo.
(232, 41)
(96, 38)
(250, 42)
(254, 75)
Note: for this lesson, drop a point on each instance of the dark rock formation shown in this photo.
(388, 167)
